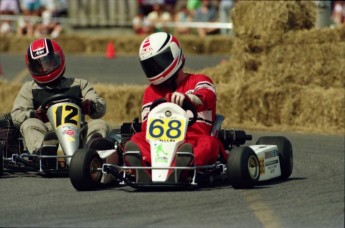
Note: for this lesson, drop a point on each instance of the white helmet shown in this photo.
(160, 56)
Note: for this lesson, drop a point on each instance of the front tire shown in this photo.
(285, 153)
(243, 167)
(84, 170)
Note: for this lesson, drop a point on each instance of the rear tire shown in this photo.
(285, 153)
(83, 171)
(243, 167)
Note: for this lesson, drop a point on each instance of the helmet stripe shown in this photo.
(166, 41)
(49, 45)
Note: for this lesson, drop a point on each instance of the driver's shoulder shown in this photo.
(198, 77)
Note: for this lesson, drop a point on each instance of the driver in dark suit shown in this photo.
(45, 61)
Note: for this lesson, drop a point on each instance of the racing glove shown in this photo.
(179, 98)
(87, 107)
(38, 114)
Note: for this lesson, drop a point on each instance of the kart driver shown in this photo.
(162, 60)
(45, 61)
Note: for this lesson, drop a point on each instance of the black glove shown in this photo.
(39, 114)
(87, 107)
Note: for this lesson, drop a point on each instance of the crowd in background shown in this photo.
(38, 18)
(153, 14)
(33, 17)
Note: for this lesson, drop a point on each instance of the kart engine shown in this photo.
(233, 137)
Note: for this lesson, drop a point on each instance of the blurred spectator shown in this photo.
(31, 7)
(8, 7)
(145, 7)
(183, 15)
(193, 5)
(206, 13)
(141, 25)
(57, 7)
(170, 6)
(338, 14)
(158, 16)
(31, 11)
(49, 26)
(225, 7)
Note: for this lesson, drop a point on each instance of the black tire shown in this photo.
(82, 170)
(285, 153)
(243, 167)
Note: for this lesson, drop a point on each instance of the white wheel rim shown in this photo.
(253, 167)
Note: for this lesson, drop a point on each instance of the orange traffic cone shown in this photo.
(110, 54)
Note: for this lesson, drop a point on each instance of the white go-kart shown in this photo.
(245, 166)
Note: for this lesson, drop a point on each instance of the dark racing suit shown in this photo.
(32, 95)
(206, 147)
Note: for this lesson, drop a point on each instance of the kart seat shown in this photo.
(217, 125)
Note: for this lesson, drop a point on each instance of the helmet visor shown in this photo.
(157, 64)
(45, 65)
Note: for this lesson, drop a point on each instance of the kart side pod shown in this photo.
(268, 156)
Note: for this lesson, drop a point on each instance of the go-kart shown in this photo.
(245, 166)
(64, 114)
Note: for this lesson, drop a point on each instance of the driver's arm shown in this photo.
(23, 103)
(206, 92)
(89, 93)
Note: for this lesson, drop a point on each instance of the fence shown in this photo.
(106, 13)
(97, 13)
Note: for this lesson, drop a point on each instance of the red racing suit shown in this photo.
(206, 148)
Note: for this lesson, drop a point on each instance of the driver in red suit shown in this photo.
(162, 60)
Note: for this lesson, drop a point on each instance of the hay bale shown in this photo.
(72, 44)
(258, 19)
(123, 102)
(8, 93)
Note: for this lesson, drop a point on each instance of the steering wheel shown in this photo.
(60, 96)
(186, 106)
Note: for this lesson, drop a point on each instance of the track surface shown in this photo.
(312, 197)
(120, 70)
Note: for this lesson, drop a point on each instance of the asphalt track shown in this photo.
(312, 197)
(98, 68)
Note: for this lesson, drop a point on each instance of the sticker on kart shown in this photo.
(166, 129)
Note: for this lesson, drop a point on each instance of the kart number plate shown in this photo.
(166, 129)
(66, 114)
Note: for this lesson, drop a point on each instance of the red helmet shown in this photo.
(160, 56)
(45, 60)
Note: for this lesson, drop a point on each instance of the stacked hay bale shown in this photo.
(282, 73)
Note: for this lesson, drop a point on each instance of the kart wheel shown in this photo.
(285, 152)
(83, 171)
(243, 167)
